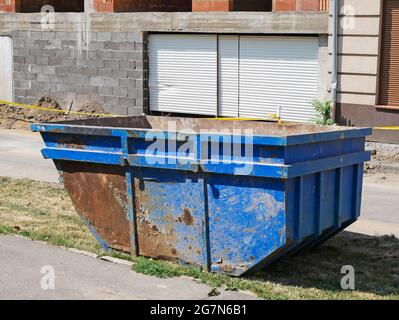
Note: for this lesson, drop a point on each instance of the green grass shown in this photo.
(44, 212)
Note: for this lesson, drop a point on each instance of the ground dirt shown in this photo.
(15, 117)
(44, 212)
(384, 158)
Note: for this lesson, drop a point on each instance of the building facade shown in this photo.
(206, 57)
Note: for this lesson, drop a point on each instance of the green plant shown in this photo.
(324, 113)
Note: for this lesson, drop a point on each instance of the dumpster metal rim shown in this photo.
(257, 139)
(222, 167)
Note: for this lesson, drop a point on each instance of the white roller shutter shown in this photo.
(278, 71)
(6, 67)
(228, 76)
(183, 73)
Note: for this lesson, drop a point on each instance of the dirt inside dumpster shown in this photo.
(203, 125)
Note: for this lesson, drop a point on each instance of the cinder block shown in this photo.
(97, 81)
(134, 74)
(27, 100)
(49, 35)
(35, 35)
(97, 98)
(120, 55)
(111, 101)
(134, 36)
(119, 74)
(111, 45)
(65, 35)
(135, 93)
(31, 76)
(106, 91)
(111, 82)
(108, 73)
(139, 83)
(42, 60)
(23, 34)
(135, 56)
(18, 43)
(42, 43)
(89, 71)
(46, 69)
(19, 59)
(136, 111)
(111, 64)
(127, 46)
(19, 93)
(19, 75)
(103, 36)
(40, 85)
(83, 97)
(23, 52)
(91, 90)
(68, 44)
(104, 54)
(138, 46)
(49, 52)
(30, 60)
(34, 68)
(119, 92)
(37, 52)
(126, 65)
(96, 45)
(120, 110)
(119, 36)
(127, 83)
(57, 61)
(43, 78)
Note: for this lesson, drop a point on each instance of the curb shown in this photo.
(374, 228)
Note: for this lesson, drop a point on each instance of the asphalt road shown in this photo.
(20, 157)
(27, 268)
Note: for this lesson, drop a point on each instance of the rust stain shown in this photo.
(155, 241)
(99, 195)
(155, 244)
(72, 142)
(187, 217)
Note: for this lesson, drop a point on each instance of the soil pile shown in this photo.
(14, 117)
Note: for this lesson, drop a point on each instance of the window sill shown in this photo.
(396, 108)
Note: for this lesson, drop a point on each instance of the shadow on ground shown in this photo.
(375, 260)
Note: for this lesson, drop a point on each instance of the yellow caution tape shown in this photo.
(66, 112)
(387, 128)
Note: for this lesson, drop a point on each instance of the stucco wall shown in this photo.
(358, 69)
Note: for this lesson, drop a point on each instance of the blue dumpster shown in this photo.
(173, 189)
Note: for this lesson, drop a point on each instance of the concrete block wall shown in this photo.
(107, 67)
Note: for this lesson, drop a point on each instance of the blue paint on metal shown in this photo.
(200, 207)
(99, 239)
